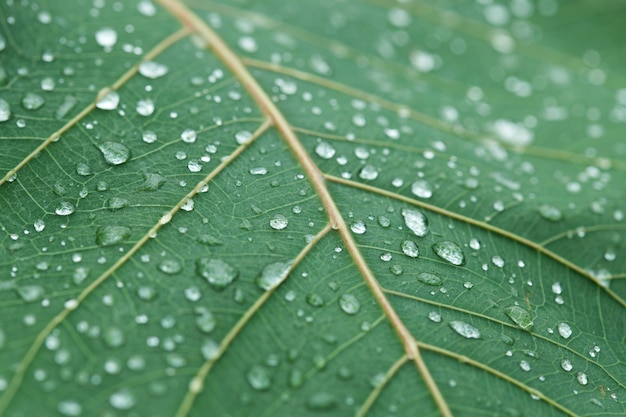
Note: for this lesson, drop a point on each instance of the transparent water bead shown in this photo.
(325, 150)
(279, 222)
(321, 401)
(349, 304)
(272, 275)
(149, 136)
(368, 172)
(109, 101)
(188, 136)
(429, 279)
(422, 189)
(416, 221)
(259, 379)
(69, 408)
(5, 110)
(450, 252)
(218, 273)
(210, 349)
(122, 400)
(39, 225)
(566, 364)
(564, 330)
(464, 329)
(152, 70)
(65, 208)
(32, 101)
(106, 37)
(582, 379)
(512, 133)
(434, 317)
(112, 235)
(497, 261)
(358, 227)
(114, 153)
(243, 137)
(410, 249)
(550, 213)
(145, 107)
(524, 365)
(519, 316)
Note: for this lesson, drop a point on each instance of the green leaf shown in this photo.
(316, 207)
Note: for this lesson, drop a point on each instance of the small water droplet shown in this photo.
(416, 221)
(30, 293)
(112, 235)
(113, 337)
(39, 225)
(325, 150)
(152, 182)
(410, 249)
(32, 101)
(358, 227)
(170, 266)
(582, 379)
(259, 378)
(315, 300)
(218, 273)
(149, 136)
(566, 364)
(5, 110)
(349, 304)
(83, 169)
(243, 137)
(205, 320)
(524, 365)
(564, 330)
(321, 401)
(210, 349)
(550, 213)
(429, 279)
(70, 408)
(497, 261)
(422, 189)
(279, 222)
(65, 208)
(273, 274)
(116, 203)
(450, 252)
(114, 153)
(188, 136)
(519, 316)
(109, 101)
(122, 400)
(368, 172)
(145, 107)
(464, 329)
(106, 37)
(152, 70)
(434, 317)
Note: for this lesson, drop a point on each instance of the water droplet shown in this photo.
(113, 337)
(564, 330)
(205, 320)
(47, 84)
(30, 293)
(325, 150)
(524, 365)
(474, 244)
(422, 189)
(243, 137)
(258, 171)
(273, 274)
(114, 153)
(122, 400)
(519, 316)
(279, 222)
(358, 227)
(210, 349)
(149, 136)
(152, 70)
(566, 364)
(368, 172)
(170, 266)
(434, 317)
(32, 101)
(410, 249)
(116, 203)
(152, 182)
(550, 213)
(145, 107)
(109, 101)
(218, 273)
(5, 111)
(69, 408)
(321, 401)
(146, 293)
(65, 208)
(349, 304)
(188, 136)
(68, 104)
(83, 169)
(106, 37)
(466, 330)
(449, 251)
(429, 279)
(416, 221)
(112, 235)
(39, 225)
(582, 379)
(315, 300)
(497, 261)
(259, 379)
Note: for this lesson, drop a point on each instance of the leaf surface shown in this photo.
(297, 208)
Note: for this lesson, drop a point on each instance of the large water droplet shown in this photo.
(69, 408)
(566, 364)
(349, 304)
(145, 107)
(30, 293)
(83, 169)
(116, 203)
(416, 221)
(273, 274)
(434, 317)
(520, 316)
(106, 37)
(170, 266)
(450, 252)
(5, 111)
(188, 136)
(564, 330)
(358, 227)
(65, 208)
(243, 137)
(112, 235)
(582, 379)
(429, 279)
(279, 222)
(368, 172)
(410, 249)
(152, 70)
(149, 136)
(422, 189)
(122, 400)
(32, 101)
(259, 379)
(109, 101)
(114, 153)
(466, 330)
(152, 182)
(39, 225)
(218, 273)
(325, 150)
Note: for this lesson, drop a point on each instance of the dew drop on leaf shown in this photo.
(32, 101)
(466, 330)
(279, 222)
(106, 37)
(566, 364)
(434, 317)
(218, 273)
(188, 136)
(497, 261)
(410, 249)
(109, 101)
(69, 408)
(122, 400)
(315, 300)
(416, 221)
(243, 137)
(358, 227)
(145, 107)
(83, 169)
(152, 182)
(325, 150)
(65, 208)
(564, 330)
(422, 189)
(550, 213)
(321, 401)
(113, 337)
(349, 304)
(205, 320)
(116, 203)
(152, 70)
(112, 235)
(450, 252)
(170, 266)
(524, 365)
(429, 279)
(114, 153)
(149, 136)
(5, 110)
(259, 379)
(582, 379)
(210, 349)
(519, 316)
(272, 275)
(39, 225)
(30, 293)
(368, 172)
